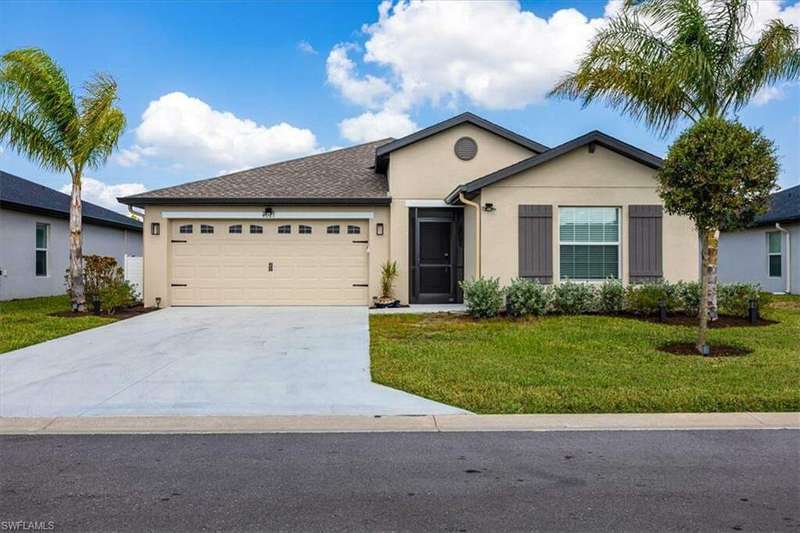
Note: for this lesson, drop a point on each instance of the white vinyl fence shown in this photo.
(134, 273)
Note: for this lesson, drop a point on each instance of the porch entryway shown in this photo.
(436, 255)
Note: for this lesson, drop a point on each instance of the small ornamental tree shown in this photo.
(720, 175)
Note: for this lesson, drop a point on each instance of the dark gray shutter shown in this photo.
(644, 243)
(536, 242)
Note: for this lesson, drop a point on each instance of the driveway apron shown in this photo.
(208, 361)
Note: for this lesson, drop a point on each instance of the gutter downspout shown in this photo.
(788, 256)
(477, 207)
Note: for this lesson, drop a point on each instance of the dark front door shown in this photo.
(436, 255)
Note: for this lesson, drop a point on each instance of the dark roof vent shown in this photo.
(466, 148)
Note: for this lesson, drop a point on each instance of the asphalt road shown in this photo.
(578, 481)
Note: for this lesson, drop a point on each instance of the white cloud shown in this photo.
(367, 91)
(99, 193)
(187, 131)
(765, 10)
(766, 95)
(373, 126)
(306, 48)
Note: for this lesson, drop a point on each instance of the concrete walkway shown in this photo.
(207, 361)
(430, 423)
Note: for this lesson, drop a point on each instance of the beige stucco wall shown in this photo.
(156, 248)
(429, 170)
(580, 178)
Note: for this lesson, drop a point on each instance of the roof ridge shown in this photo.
(260, 167)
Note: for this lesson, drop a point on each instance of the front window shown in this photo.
(589, 242)
(42, 235)
(774, 254)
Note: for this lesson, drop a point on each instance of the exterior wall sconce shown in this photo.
(155, 228)
(268, 212)
(379, 229)
(489, 207)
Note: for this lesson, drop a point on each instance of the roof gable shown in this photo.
(592, 138)
(25, 195)
(382, 153)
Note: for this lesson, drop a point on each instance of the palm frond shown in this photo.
(101, 122)
(28, 135)
(30, 78)
(773, 57)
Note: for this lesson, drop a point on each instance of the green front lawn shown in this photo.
(26, 322)
(585, 364)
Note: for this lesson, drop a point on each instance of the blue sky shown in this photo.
(234, 85)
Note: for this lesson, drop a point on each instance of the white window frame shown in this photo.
(46, 227)
(617, 243)
(779, 254)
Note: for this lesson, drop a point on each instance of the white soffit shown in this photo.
(276, 215)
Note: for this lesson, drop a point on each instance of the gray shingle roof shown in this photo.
(784, 206)
(339, 176)
(24, 195)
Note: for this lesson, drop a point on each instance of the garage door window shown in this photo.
(206, 228)
(353, 230)
(303, 229)
(286, 228)
(254, 228)
(333, 229)
(236, 228)
(187, 228)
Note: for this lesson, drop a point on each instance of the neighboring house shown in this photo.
(459, 199)
(34, 233)
(769, 252)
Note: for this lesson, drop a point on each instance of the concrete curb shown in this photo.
(372, 424)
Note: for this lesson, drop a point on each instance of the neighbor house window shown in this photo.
(774, 253)
(304, 229)
(286, 228)
(187, 228)
(333, 229)
(353, 230)
(254, 228)
(42, 235)
(589, 242)
(206, 228)
(236, 228)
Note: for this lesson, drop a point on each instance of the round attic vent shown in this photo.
(466, 148)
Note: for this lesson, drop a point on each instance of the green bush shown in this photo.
(611, 296)
(483, 296)
(646, 298)
(571, 298)
(734, 298)
(116, 295)
(687, 296)
(526, 297)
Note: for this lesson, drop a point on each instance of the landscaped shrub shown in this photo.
(572, 298)
(104, 281)
(687, 295)
(645, 299)
(526, 297)
(483, 296)
(734, 298)
(611, 296)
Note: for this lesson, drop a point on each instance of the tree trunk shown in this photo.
(76, 247)
(703, 311)
(712, 244)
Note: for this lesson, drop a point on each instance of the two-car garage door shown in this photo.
(268, 262)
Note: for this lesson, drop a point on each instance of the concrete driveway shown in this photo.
(207, 361)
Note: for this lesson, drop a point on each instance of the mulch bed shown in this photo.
(121, 314)
(717, 350)
(724, 321)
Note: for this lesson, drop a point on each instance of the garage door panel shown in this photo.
(233, 269)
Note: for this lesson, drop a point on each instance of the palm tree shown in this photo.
(668, 61)
(41, 119)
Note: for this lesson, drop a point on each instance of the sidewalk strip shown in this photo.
(370, 424)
